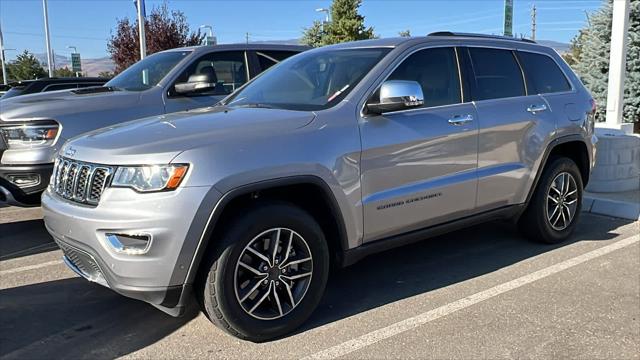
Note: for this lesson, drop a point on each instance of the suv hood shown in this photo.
(161, 138)
(54, 105)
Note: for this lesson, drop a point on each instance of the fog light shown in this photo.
(24, 180)
(129, 244)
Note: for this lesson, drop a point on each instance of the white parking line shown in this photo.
(421, 319)
(30, 267)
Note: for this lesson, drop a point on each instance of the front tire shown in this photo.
(269, 273)
(555, 206)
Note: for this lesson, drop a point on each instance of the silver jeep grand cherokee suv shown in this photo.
(331, 155)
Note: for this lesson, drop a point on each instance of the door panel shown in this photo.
(511, 141)
(418, 169)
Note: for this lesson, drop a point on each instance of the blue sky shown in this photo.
(87, 24)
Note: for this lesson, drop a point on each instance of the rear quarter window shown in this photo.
(543, 73)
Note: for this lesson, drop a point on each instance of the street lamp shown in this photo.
(75, 49)
(208, 40)
(326, 11)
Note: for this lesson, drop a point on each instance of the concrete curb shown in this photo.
(592, 203)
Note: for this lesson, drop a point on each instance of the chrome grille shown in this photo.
(79, 181)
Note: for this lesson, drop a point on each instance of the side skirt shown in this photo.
(354, 255)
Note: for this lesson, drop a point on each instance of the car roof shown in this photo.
(439, 37)
(242, 47)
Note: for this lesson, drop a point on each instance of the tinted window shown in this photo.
(227, 68)
(497, 74)
(543, 73)
(265, 61)
(56, 87)
(269, 58)
(436, 71)
(148, 72)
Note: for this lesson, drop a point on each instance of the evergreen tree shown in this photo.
(405, 33)
(25, 67)
(346, 25)
(314, 35)
(592, 50)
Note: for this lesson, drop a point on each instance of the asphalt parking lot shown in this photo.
(482, 292)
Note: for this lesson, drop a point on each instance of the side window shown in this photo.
(60, 87)
(269, 58)
(544, 73)
(436, 70)
(227, 68)
(497, 74)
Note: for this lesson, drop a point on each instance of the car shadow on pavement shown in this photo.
(24, 238)
(72, 319)
(437, 263)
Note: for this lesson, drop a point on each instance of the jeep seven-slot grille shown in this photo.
(79, 181)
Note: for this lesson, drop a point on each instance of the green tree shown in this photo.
(592, 61)
(405, 33)
(25, 67)
(64, 72)
(575, 49)
(314, 36)
(346, 25)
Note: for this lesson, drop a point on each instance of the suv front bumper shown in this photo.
(156, 276)
(14, 188)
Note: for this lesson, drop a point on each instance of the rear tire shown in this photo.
(256, 292)
(554, 208)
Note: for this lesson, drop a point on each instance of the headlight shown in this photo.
(30, 135)
(150, 177)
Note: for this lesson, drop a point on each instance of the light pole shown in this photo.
(48, 38)
(617, 63)
(326, 11)
(141, 23)
(75, 49)
(4, 68)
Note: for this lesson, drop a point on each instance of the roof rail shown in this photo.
(472, 35)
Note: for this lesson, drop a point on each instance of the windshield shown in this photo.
(14, 91)
(147, 73)
(310, 81)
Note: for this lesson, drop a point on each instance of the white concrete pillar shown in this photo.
(617, 63)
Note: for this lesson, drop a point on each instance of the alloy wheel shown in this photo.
(562, 201)
(273, 273)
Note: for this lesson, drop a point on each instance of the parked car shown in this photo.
(26, 87)
(34, 127)
(334, 154)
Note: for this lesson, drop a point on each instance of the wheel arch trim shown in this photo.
(229, 196)
(549, 149)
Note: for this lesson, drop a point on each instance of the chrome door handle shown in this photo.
(537, 108)
(461, 119)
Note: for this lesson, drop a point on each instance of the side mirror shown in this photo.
(196, 83)
(397, 95)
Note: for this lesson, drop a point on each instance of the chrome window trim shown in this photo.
(399, 60)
